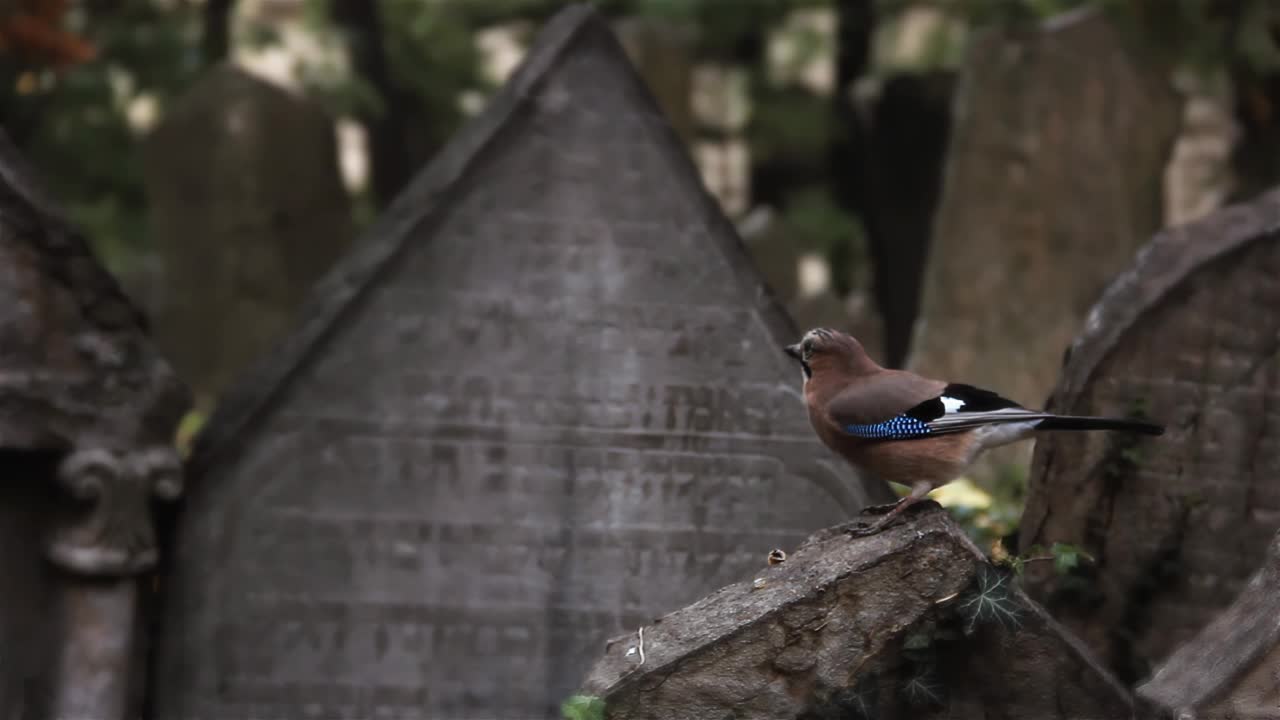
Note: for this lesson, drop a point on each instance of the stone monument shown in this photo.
(1189, 336)
(248, 211)
(908, 624)
(87, 415)
(542, 401)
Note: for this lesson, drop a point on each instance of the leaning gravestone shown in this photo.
(911, 623)
(1229, 669)
(1191, 337)
(248, 210)
(1062, 133)
(542, 402)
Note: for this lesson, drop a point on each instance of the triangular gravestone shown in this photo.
(542, 403)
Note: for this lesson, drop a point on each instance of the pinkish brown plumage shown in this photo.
(908, 429)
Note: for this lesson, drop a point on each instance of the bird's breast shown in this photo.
(935, 460)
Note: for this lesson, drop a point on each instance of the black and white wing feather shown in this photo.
(965, 407)
(961, 408)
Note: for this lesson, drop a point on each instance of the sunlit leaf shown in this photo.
(583, 707)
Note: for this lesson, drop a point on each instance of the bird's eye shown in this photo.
(807, 348)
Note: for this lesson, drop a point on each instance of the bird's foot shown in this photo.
(891, 514)
(859, 529)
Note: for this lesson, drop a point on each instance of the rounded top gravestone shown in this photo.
(542, 402)
(1190, 337)
(248, 209)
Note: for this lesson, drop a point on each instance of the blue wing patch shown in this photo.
(902, 427)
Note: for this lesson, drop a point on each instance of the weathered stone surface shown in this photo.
(543, 401)
(78, 375)
(1229, 669)
(1061, 136)
(76, 366)
(1189, 336)
(248, 211)
(877, 627)
(87, 414)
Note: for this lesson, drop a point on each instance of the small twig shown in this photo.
(1038, 558)
(641, 646)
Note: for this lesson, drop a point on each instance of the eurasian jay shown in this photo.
(908, 429)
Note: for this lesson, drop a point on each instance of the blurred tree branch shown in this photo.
(361, 26)
(855, 27)
(216, 36)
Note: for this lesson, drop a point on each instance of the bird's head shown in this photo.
(823, 351)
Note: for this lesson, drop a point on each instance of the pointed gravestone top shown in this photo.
(76, 366)
(87, 409)
(543, 402)
(80, 381)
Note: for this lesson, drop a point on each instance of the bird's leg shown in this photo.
(918, 492)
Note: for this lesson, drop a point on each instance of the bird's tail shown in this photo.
(1077, 422)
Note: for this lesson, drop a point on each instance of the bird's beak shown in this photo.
(794, 351)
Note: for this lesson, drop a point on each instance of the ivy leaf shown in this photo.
(923, 688)
(583, 707)
(990, 601)
(861, 701)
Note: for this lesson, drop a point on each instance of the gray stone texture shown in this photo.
(78, 378)
(1190, 337)
(76, 365)
(1228, 670)
(248, 210)
(877, 627)
(543, 401)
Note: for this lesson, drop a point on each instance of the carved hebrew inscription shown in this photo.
(560, 412)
